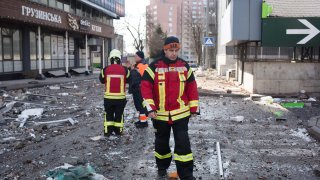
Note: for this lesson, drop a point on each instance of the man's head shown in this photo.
(139, 56)
(171, 48)
(115, 56)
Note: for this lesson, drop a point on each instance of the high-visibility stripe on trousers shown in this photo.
(114, 119)
(182, 151)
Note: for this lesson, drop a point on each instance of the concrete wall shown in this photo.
(241, 21)
(225, 62)
(281, 77)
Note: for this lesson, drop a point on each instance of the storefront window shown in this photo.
(66, 7)
(1, 68)
(46, 47)
(7, 48)
(43, 1)
(60, 5)
(16, 45)
(73, 7)
(79, 9)
(71, 52)
(47, 52)
(0, 47)
(61, 61)
(33, 46)
(52, 3)
(10, 50)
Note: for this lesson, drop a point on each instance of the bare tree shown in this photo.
(196, 27)
(197, 34)
(136, 34)
(136, 30)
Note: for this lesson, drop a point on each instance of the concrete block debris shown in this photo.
(24, 116)
(54, 87)
(63, 94)
(301, 133)
(96, 138)
(70, 87)
(7, 107)
(239, 119)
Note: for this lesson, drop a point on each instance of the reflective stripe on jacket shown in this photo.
(114, 77)
(169, 88)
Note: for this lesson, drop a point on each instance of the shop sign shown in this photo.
(96, 28)
(39, 14)
(73, 22)
(84, 24)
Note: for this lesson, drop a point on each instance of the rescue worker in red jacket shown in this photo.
(114, 77)
(135, 83)
(170, 94)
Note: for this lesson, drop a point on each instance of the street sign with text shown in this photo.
(291, 32)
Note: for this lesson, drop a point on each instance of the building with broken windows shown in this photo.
(38, 36)
(271, 46)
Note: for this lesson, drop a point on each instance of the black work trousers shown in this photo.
(138, 100)
(182, 150)
(113, 117)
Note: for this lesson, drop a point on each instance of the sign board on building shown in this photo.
(291, 32)
(39, 14)
(209, 41)
(84, 24)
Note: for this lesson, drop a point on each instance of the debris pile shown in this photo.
(34, 115)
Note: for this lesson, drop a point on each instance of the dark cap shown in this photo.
(140, 54)
(171, 42)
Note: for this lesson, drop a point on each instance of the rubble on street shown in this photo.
(41, 129)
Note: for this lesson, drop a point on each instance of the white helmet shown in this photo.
(115, 54)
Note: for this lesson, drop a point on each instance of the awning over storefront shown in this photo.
(112, 14)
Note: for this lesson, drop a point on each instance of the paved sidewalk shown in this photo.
(32, 83)
(211, 84)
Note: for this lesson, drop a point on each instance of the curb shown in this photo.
(213, 94)
(315, 132)
(314, 127)
(29, 83)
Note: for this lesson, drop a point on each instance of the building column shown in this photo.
(40, 76)
(26, 49)
(67, 55)
(87, 64)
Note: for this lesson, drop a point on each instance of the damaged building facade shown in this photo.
(38, 36)
(270, 47)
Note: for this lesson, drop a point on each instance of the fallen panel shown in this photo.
(58, 73)
(72, 122)
(79, 70)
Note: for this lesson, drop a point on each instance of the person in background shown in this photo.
(114, 77)
(135, 89)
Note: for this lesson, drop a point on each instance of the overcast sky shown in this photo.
(135, 10)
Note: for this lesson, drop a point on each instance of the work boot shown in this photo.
(108, 134)
(162, 175)
(139, 124)
(118, 132)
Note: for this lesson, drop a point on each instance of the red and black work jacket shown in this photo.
(169, 88)
(114, 77)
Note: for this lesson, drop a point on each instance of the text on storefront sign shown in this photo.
(36, 13)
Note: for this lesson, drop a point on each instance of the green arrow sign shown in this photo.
(290, 32)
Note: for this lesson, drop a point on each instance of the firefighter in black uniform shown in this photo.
(114, 77)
